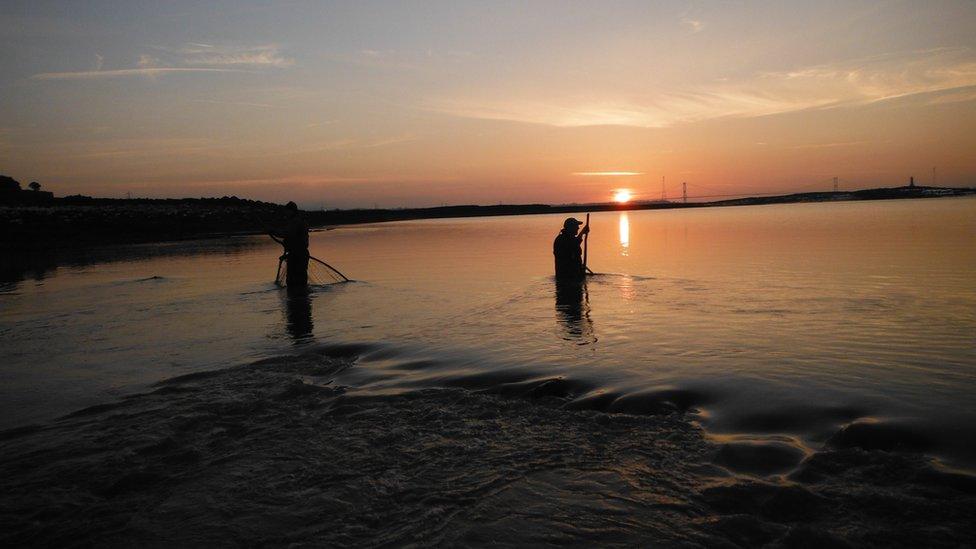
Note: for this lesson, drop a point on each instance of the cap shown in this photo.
(571, 222)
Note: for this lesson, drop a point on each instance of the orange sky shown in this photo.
(395, 104)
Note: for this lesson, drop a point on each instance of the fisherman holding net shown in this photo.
(297, 269)
(294, 238)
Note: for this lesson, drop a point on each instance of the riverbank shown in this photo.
(276, 453)
(73, 221)
(69, 222)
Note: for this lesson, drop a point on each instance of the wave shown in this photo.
(285, 451)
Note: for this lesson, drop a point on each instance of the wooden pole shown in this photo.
(281, 260)
(586, 241)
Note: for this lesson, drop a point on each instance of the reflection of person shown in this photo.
(298, 316)
(568, 251)
(294, 238)
(573, 311)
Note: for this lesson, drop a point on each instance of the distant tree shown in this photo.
(35, 186)
(8, 183)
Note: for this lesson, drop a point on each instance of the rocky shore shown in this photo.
(71, 221)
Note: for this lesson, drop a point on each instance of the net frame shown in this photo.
(320, 273)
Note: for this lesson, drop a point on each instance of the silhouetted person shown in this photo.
(568, 252)
(294, 238)
(298, 312)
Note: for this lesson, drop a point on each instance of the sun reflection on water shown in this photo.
(624, 234)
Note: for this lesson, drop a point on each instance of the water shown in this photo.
(773, 323)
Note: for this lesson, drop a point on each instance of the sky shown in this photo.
(398, 104)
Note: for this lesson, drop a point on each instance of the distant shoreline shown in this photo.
(78, 220)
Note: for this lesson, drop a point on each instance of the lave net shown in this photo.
(320, 273)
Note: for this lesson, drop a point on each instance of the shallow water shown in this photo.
(779, 328)
(274, 453)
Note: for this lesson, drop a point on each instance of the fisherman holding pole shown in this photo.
(568, 250)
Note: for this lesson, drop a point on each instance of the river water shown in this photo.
(782, 323)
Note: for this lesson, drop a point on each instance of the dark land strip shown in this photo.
(54, 223)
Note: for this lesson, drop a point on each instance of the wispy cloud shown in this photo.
(959, 96)
(828, 145)
(607, 174)
(321, 179)
(141, 148)
(238, 103)
(148, 61)
(253, 56)
(853, 82)
(350, 144)
(694, 24)
(192, 57)
(86, 75)
(200, 54)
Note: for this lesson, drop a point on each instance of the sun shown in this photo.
(621, 196)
